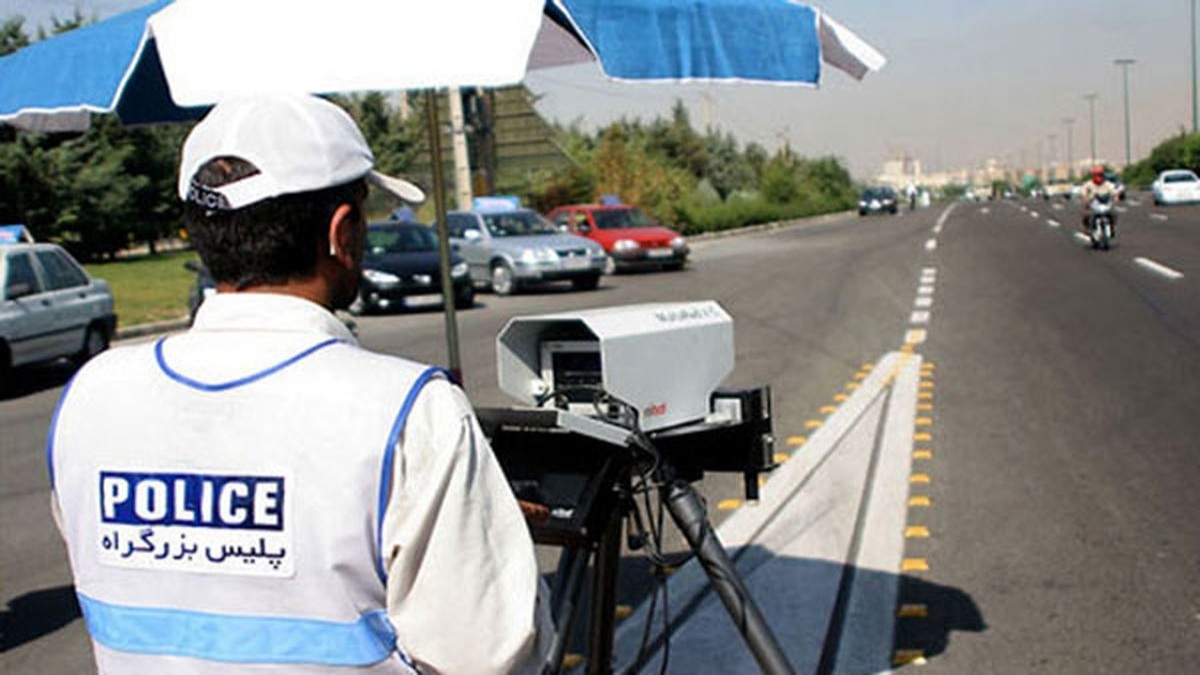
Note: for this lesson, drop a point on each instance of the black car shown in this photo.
(401, 267)
(877, 200)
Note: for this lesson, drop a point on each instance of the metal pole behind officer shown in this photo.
(261, 494)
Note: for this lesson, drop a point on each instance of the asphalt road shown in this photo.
(1060, 467)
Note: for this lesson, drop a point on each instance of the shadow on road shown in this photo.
(786, 584)
(34, 615)
(29, 380)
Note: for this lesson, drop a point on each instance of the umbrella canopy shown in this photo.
(167, 61)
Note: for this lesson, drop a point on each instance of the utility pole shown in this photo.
(1070, 122)
(1091, 99)
(1193, 36)
(458, 140)
(1124, 64)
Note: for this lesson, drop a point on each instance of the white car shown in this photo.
(50, 308)
(1177, 186)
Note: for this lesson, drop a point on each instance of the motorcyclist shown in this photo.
(1098, 186)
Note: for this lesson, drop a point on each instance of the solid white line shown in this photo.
(945, 214)
(931, 245)
(1159, 268)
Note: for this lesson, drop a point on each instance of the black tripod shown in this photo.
(588, 481)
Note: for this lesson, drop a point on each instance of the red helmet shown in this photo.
(1098, 174)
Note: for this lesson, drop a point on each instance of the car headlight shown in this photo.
(597, 252)
(678, 243)
(459, 270)
(625, 246)
(532, 256)
(380, 278)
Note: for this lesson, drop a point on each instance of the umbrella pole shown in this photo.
(439, 205)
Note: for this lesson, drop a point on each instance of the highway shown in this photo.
(1050, 473)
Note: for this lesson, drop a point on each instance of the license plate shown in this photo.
(424, 299)
(575, 263)
(659, 253)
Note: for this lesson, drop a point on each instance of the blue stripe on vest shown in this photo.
(62, 399)
(389, 458)
(222, 386)
(239, 639)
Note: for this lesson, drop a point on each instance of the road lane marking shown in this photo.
(1158, 216)
(915, 336)
(919, 317)
(913, 610)
(919, 501)
(728, 504)
(924, 301)
(914, 565)
(795, 441)
(925, 289)
(1034, 215)
(1159, 268)
(1053, 223)
(923, 454)
(1083, 237)
(916, 532)
(920, 479)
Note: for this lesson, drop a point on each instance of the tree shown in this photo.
(12, 35)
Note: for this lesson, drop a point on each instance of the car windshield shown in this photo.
(383, 239)
(1180, 178)
(517, 223)
(618, 219)
(877, 193)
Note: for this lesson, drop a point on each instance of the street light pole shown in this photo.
(1091, 99)
(1193, 36)
(1070, 121)
(1125, 63)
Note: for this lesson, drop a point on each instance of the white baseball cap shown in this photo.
(298, 142)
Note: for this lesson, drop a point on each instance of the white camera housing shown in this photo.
(665, 359)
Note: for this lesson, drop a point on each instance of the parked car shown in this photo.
(508, 248)
(50, 308)
(1176, 186)
(877, 200)
(631, 238)
(401, 268)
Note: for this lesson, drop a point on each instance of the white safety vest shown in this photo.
(233, 526)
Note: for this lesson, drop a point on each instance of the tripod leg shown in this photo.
(569, 578)
(688, 513)
(604, 597)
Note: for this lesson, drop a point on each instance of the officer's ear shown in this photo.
(344, 238)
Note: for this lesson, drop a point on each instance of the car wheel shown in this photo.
(587, 283)
(5, 369)
(464, 298)
(673, 267)
(94, 342)
(503, 280)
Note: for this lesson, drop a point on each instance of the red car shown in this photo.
(629, 237)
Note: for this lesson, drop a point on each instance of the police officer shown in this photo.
(262, 495)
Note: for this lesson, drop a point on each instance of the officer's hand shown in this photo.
(535, 514)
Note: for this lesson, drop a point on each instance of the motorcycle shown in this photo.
(1100, 222)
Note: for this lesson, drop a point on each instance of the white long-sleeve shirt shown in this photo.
(462, 586)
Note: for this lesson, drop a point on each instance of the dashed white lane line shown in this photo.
(1034, 215)
(1083, 237)
(920, 317)
(1158, 216)
(1053, 223)
(924, 302)
(925, 289)
(1158, 268)
(931, 245)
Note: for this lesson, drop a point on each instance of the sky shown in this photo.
(966, 81)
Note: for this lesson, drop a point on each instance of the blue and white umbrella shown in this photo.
(169, 60)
